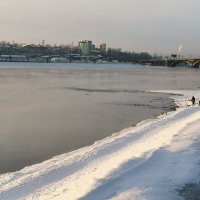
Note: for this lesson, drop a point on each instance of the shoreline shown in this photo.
(163, 107)
(160, 103)
(114, 160)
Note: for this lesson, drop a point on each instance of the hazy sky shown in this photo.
(155, 26)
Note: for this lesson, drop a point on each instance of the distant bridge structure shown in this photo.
(190, 62)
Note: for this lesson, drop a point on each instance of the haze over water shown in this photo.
(49, 109)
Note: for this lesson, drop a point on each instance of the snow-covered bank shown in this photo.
(149, 161)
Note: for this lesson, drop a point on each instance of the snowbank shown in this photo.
(149, 161)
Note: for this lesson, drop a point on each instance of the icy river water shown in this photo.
(50, 109)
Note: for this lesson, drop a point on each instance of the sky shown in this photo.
(154, 26)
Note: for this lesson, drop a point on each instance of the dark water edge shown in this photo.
(190, 191)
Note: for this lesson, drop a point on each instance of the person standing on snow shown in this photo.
(193, 100)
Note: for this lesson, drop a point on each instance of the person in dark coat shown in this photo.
(193, 100)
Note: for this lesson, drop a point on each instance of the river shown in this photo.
(50, 109)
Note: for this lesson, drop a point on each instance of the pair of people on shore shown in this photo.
(193, 100)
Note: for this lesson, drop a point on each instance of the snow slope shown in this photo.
(149, 161)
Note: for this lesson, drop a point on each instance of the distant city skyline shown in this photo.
(154, 26)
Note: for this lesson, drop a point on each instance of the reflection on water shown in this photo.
(46, 111)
